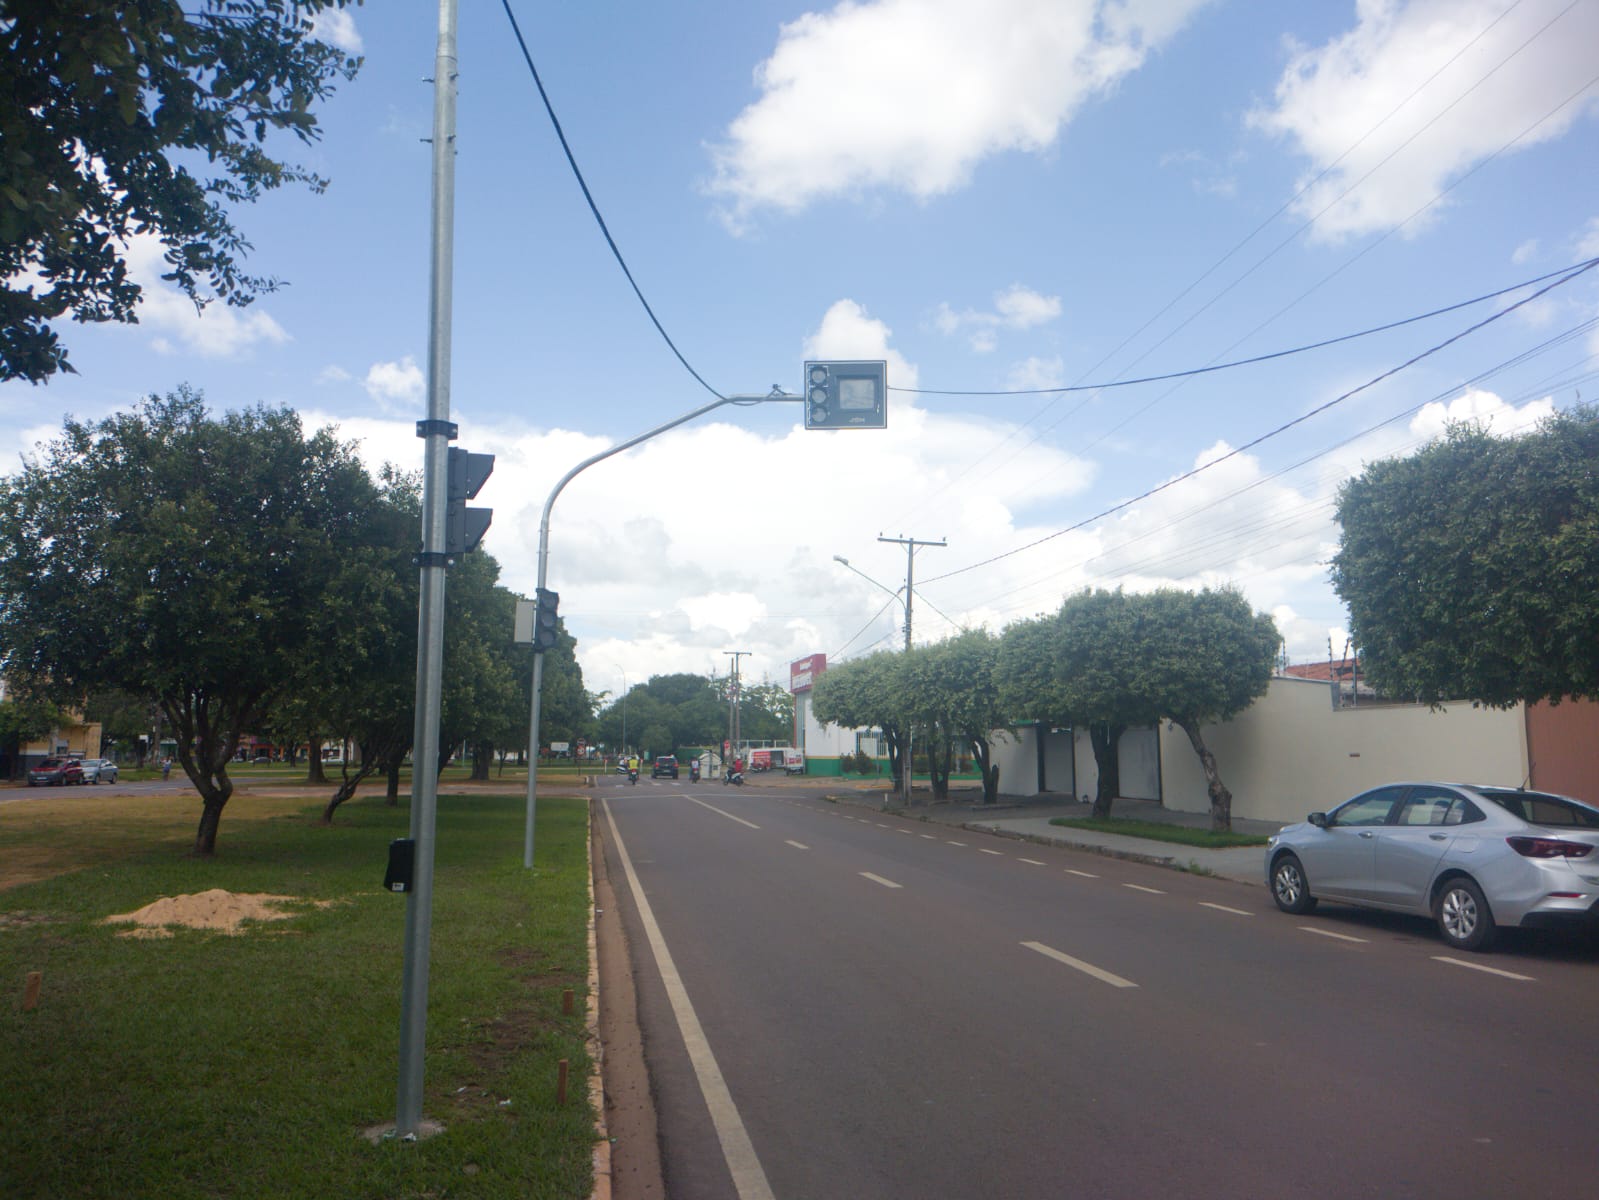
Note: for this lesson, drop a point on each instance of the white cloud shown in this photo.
(1017, 307)
(396, 386)
(1386, 137)
(912, 94)
(1588, 244)
(336, 26)
(216, 331)
(1037, 373)
(1525, 253)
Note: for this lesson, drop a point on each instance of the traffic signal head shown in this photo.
(846, 395)
(464, 527)
(544, 620)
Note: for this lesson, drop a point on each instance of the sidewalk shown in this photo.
(1029, 820)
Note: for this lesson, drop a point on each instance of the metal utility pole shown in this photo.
(437, 432)
(732, 704)
(910, 545)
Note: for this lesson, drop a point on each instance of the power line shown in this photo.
(594, 208)
(1284, 427)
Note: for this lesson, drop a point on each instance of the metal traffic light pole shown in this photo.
(775, 396)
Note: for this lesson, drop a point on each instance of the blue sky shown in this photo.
(991, 195)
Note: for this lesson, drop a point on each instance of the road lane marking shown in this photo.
(1000, 853)
(1223, 908)
(1342, 937)
(1471, 966)
(796, 845)
(1138, 887)
(947, 842)
(1079, 965)
(880, 825)
(1032, 862)
(929, 837)
(749, 1179)
(888, 883)
(1084, 874)
(721, 813)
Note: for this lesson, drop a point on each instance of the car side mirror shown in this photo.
(1318, 819)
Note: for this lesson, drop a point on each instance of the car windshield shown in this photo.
(1540, 808)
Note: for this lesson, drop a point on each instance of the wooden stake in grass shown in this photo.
(30, 991)
(560, 1083)
(566, 1002)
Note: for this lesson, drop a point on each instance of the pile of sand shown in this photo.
(217, 909)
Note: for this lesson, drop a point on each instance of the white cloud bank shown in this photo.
(912, 94)
(1393, 112)
(216, 331)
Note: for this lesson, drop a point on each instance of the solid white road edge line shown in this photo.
(749, 1180)
(728, 815)
(1079, 965)
(1471, 966)
(888, 883)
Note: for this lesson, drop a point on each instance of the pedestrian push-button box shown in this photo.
(401, 874)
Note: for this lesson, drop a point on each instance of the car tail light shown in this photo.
(1541, 847)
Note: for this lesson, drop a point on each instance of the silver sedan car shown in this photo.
(1474, 858)
(97, 769)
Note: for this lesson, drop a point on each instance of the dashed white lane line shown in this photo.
(888, 883)
(1138, 887)
(1032, 862)
(728, 815)
(796, 845)
(947, 842)
(1078, 964)
(929, 837)
(997, 853)
(1238, 912)
(1471, 966)
(1084, 874)
(1327, 933)
(880, 825)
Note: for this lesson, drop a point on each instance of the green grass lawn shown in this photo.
(208, 1065)
(1159, 831)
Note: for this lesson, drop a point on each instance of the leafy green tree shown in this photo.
(23, 721)
(1095, 665)
(1471, 568)
(865, 693)
(122, 717)
(187, 557)
(109, 108)
(1199, 658)
(953, 690)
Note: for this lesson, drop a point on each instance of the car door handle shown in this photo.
(1367, 833)
(1438, 837)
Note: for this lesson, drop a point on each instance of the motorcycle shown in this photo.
(632, 774)
(694, 772)
(734, 777)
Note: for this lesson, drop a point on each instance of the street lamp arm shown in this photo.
(840, 559)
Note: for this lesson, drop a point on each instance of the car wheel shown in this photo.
(1288, 886)
(1463, 915)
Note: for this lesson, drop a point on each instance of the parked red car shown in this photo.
(55, 772)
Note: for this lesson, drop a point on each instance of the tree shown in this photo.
(955, 681)
(867, 693)
(1199, 658)
(24, 721)
(1471, 568)
(189, 558)
(108, 107)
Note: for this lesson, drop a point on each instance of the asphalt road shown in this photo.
(881, 1007)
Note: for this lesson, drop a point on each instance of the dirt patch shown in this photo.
(217, 909)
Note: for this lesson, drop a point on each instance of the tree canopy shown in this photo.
(169, 553)
(110, 110)
(1471, 568)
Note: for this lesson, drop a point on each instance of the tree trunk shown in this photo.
(346, 790)
(482, 752)
(205, 838)
(987, 769)
(1221, 800)
(1105, 737)
(313, 763)
(391, 795)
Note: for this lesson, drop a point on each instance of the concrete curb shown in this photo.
(602, 1137)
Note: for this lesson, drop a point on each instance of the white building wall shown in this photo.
(1016, 755)
(1291, 753)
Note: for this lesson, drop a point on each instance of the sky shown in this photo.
(998, 198)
